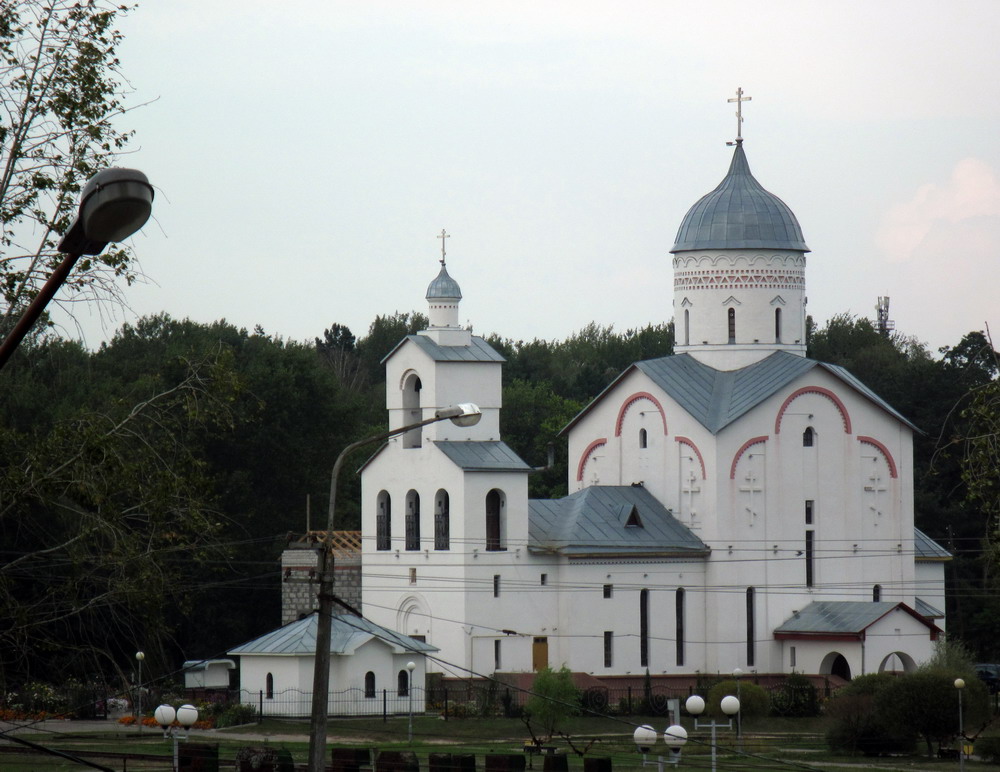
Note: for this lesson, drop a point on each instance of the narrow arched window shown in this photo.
(642, 438)
(751, 625)
(403, 684)
(679, 625)
(495, 521)
(877, 593)
(777, 325)
(442, 522)
(643, 628)
(808, 436)
(732, 325)
(412, 520)
(369, 684)
(269, 687)
(383, 521)
(687, 327)
(412, 410)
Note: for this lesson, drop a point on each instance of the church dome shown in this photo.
(739, 214)
(443, 287)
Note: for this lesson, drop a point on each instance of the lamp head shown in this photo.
(959, 683)
(464, 414)
(644, 737)
(114, 204)
(165, 715)
(411, 665)
(187, 715)
(140, 655)
(730, 705)
(675, 736)
(695, 705)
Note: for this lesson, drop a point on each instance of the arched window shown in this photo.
(808, 436)
(732, 325)
(383, 521)
(369, 684)
(687, 327)
(442, 523)
(411, 410)
(751, 626)
(643, 628)
(403, 684)
(777, 325)
(496, 536)
(269, 687)
(412, 520)
(642, 438)
(679, 626)
(877, 593)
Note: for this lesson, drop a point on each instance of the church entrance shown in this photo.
(540, 653)
(841, 668)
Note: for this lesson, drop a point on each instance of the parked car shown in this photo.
(990, 675)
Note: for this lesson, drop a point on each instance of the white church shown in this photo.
(733, 505)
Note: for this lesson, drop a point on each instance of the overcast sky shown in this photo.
(306, 154)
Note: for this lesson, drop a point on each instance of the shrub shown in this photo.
(858, 727)
(754, 701)
(988, 749)
(796, 697)
(237, 715)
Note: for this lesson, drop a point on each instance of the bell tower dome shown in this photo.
(739, 273)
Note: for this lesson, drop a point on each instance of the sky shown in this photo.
(306, 155)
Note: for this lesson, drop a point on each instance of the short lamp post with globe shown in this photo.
(185, 716)
(674, 736)
(959, 686)
(695, 705)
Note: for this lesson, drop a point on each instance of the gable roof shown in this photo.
(842, 618)
(482, 456)
(477, 351)
(608, 520)
(926, 549)
(349, 633)
(716, 398)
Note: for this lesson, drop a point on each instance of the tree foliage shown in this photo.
(554, 698)
(60, 92)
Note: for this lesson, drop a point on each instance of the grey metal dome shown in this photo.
(739, 214)
(443, 287)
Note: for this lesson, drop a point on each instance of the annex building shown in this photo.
(733, 505)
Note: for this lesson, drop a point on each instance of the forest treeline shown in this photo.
(147, 488)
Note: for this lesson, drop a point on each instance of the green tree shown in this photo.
(554, 698)
(60, 93)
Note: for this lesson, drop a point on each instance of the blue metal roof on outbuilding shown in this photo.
(739, 214)
(594, 521)
(925, 548)
(348, 634)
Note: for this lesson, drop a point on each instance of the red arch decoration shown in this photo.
(586, 455)
(690, 444)
(639, 395)
(743, 449)
(893, 472)
(823, 393)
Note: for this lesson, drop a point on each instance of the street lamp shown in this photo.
(959, 686)
(674, 736)
(114, 204)
(739, 716)
(185, 715)
(465, 414)
(137, 703)
(409, 691)
(695, 705)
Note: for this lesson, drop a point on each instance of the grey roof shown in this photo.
(193, 665)
(477, 351)
(925, 609)
(593, 521)
(925, 548)
(840, 617)
(486, 456)
(716, 398)
(444, 287)
(739, 214)
(348, 634)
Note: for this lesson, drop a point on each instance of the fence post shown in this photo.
(630, 700)
(385, 705)
(260, 705)
(446, 703)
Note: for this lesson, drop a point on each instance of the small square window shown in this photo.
(608, 590)
(413, 576)
(496, 585)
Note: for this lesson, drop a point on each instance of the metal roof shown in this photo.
(925, 609)
(484, 456)
(348, 634)
(716, 398)
(739, 214)
(194, 665)
(595, 521)
(838, 617)
(925, 548)
(444, 287)
(477, 351)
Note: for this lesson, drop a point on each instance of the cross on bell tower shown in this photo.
(739, 100)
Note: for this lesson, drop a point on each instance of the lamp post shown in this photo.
(409, 692)
(695, 705)
(674, 736)
(137, 703)
(185, 715)
(739, 716)
(114, 204)
(465, 414)
(959, 686)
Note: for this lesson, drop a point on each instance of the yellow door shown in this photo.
(540, 653)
